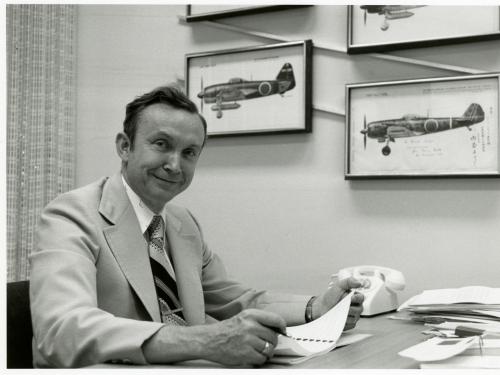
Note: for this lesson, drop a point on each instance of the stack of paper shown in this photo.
(475, 310)
(472, 306)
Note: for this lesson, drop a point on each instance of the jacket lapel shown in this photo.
(128, 243)
(185, 260)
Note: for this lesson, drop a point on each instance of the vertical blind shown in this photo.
(41, 77)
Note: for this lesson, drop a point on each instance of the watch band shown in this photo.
(309, 309)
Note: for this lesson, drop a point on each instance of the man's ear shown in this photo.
(123, 146)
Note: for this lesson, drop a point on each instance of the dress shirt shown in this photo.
(144, 216)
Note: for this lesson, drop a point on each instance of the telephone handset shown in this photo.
(380, 285)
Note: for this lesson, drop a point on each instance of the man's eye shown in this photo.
(160, 143)
(190, 153)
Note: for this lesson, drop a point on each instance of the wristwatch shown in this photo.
(309, 309)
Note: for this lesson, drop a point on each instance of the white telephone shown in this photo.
(380, 285)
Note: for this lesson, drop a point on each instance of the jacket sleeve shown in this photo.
(69, 328)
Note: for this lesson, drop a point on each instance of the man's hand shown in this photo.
(334, 295)
(248, 338)
(241, 340)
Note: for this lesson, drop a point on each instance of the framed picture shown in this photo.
(376, 28)
(437, 127)
(255, 90)
(201, 12)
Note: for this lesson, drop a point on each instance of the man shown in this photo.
(119, 274)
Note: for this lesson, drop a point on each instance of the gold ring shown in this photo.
(267, 349)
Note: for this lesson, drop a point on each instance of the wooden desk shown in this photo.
(378, 351)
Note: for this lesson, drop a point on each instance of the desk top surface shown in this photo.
(380, 351)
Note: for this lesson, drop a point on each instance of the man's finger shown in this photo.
(269, 320)
(267, 334)
(349, 325)
(355, 309)
(350, 283)
(357, 299)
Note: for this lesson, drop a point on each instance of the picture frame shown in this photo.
(454, 133)
(381, 28)
(204, 12)
(258, 90)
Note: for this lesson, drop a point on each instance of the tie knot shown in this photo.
(155, 229)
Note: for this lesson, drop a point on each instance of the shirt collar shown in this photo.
(143, 213)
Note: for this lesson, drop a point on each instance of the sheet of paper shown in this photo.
(443, 333)
(468, 294)
(458, 318)
(347, 338)
(317, 337)
(489, 327)
(289, 360)
(495, 314)
(487, 347)
(437, 349)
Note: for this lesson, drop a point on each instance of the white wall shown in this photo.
(277, 208)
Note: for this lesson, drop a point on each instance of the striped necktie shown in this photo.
(166, 288)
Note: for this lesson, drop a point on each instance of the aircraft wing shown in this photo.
(397, 131)
(232, 93)
(247, 91)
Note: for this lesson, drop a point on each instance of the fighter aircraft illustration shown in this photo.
(390, 12)
(225, 95)
(413, 125)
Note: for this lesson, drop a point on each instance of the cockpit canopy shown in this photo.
(410, 116)
(236, 80)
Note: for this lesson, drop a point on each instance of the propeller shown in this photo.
(364, 131)
(364, 17)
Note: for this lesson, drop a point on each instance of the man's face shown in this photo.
(161, 164)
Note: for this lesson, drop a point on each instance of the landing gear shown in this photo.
(386, 150)
(218, 103)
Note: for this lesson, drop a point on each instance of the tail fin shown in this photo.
(286, 74)
(474, 113)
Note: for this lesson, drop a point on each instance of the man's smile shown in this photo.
(167, 180)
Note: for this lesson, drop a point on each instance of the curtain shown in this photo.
(41, 77)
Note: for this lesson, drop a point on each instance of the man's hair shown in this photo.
(169, 95)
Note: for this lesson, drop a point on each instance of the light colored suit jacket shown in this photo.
(92, 293)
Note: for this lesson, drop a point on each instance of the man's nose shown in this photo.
(172, 162)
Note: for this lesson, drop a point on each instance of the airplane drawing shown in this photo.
(225, 95)
(390, 12)
(413, 125)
